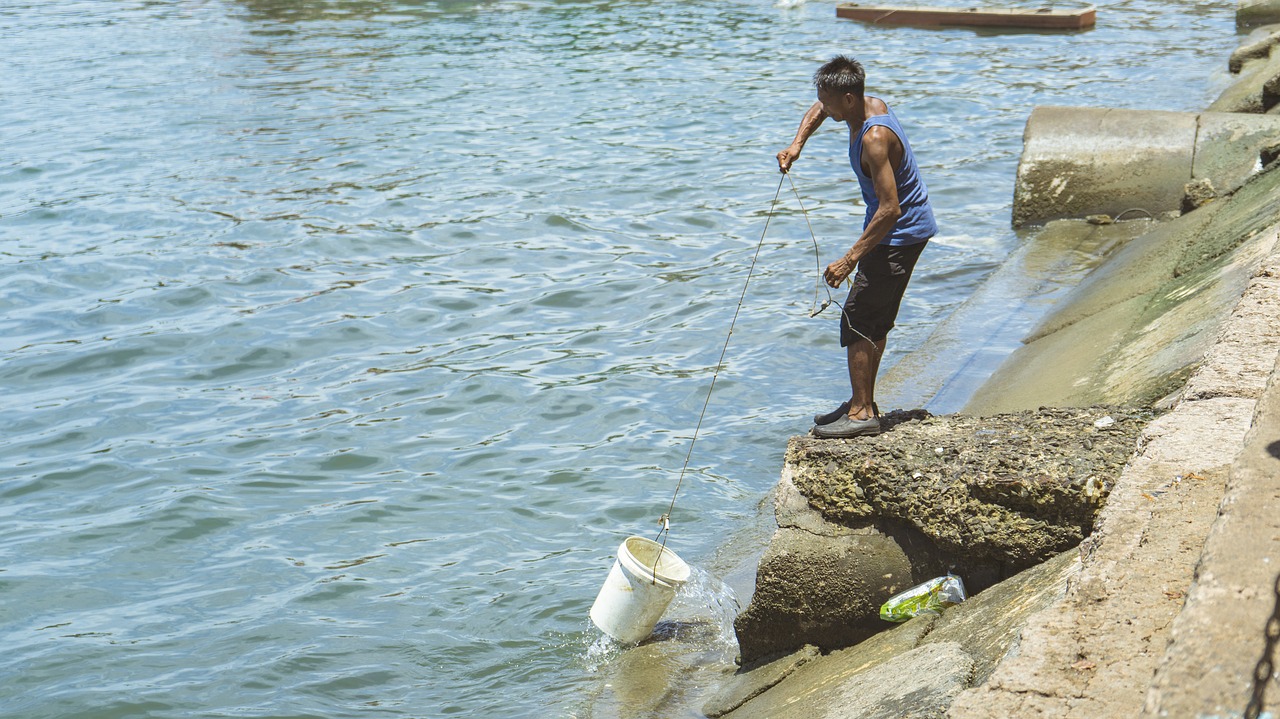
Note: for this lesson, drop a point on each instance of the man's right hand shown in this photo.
(787, 157)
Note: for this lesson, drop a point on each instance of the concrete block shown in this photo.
(1245, 94)
(827, 590)
(1250, 13)
(1079, 161)
(1256, 48)
(747, 685)
(1229, 146)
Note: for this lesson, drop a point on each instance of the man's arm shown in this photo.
(808, 124)
(876, 146)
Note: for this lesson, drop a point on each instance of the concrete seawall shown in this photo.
(1081, 161)
(1150, 572)
(1161, 610)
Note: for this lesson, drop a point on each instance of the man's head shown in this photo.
(840, 84)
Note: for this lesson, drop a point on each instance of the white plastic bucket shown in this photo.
(636, 592)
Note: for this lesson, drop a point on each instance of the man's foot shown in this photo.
(844, 428)
(832, 416)
(841, 411)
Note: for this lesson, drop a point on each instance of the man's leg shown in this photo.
(864, 363)
(869, 311)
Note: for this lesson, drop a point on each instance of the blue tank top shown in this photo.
(916, 224)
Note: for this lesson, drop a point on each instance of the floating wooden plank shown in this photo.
(1038, 19)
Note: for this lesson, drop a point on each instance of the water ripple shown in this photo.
(343, 342)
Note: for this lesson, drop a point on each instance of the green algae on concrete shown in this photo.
(1136, 327)
(967, 346)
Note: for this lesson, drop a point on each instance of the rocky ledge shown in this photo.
(984, 497)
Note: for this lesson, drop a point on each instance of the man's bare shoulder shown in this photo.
(881, 137)
(880, 144)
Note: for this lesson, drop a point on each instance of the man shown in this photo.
(898, 223)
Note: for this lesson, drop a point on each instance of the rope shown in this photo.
(1134, 209)
(665, 520)
(814, 309)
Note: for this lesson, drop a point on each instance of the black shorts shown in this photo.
(878, 286)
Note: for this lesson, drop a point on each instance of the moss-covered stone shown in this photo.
(1010, 490)
(980, 633)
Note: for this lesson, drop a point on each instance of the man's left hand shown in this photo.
(838, 271)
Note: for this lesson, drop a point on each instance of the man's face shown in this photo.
(838, 107)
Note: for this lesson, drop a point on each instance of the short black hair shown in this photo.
(841, 75)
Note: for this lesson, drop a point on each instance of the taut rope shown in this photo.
(665, 520)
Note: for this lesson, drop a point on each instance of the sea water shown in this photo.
(344, 341)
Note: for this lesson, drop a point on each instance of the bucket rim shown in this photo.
(671, 571)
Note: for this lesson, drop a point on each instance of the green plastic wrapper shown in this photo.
(932, 596)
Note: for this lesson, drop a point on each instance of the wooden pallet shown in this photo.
(1039, 19)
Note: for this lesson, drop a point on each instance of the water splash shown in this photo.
(701, 615)
(601, 652)
(705, 598)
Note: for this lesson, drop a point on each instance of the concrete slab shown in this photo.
(833, 669)
(918, 684)
(1231, 368)
(747, 685)
(1092, 654)
(1218, 638)
(990, 624)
